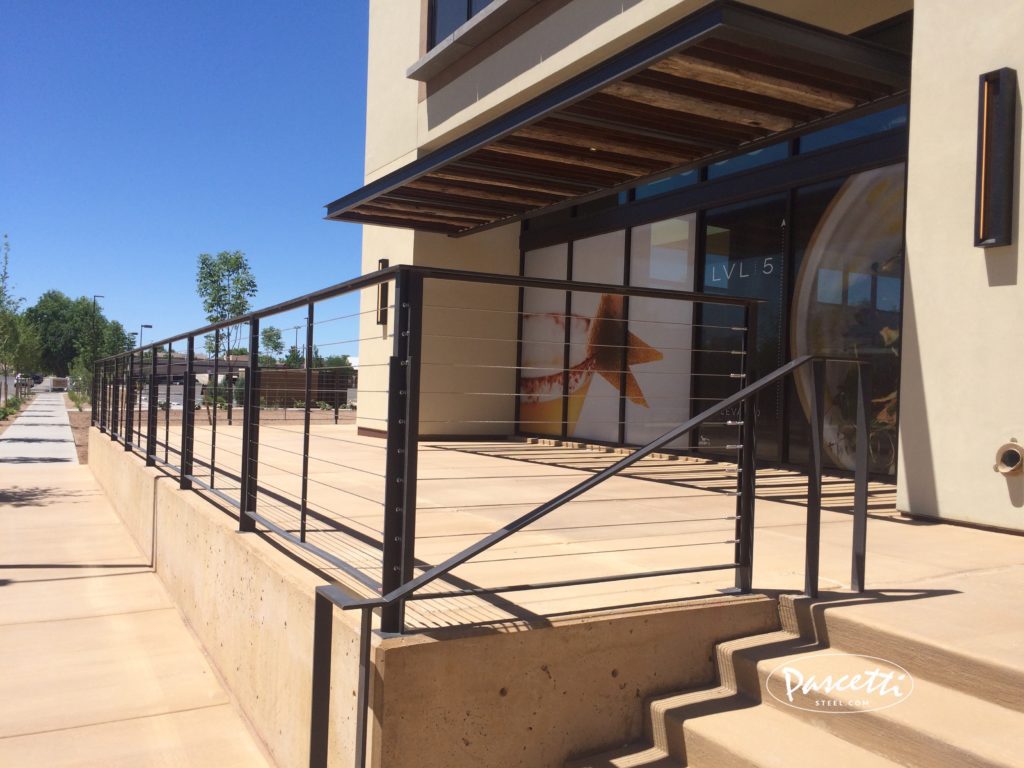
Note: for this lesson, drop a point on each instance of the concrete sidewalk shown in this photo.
(98, 666)
(40, 435)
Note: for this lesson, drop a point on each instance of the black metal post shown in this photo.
(129, 403)
(188, 415)
(814, 472)
(303, 509)
(115, 408)
(413, 309)
(151, 412)
(746, 484)
(250, 432)
(860, 481)
(167, 406)
(400, 491)
(103, 398)
(142, 375)
(93, 392)
(216, 404)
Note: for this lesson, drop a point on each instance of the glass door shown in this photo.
(743, 252)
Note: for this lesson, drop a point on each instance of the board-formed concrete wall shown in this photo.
(452, 698)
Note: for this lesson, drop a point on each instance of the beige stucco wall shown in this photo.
(964, 306)
(465, 326)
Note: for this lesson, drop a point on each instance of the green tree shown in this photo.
(271, 341)
(225, 284)
(294, 358)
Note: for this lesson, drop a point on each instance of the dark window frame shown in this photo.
(432, 38)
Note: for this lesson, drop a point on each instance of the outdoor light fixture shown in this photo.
(382, 295)
(993, 206)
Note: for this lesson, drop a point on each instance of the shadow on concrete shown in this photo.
(34, 460)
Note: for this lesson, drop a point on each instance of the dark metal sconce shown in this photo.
(382, 295)
(997, 113)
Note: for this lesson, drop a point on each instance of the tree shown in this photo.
(225, 284)
(271, 341)
(8, 302)
(294, 359)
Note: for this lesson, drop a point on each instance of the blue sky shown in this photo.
(137, 134)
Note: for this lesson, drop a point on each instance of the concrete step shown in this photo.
(762, 737)
(638, 755)
(917, 636)
(929, 725)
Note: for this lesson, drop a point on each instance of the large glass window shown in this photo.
(658, 391)
(448, 15)
(848, 280)
(541, 376)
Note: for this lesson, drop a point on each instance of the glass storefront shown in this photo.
(825, 260)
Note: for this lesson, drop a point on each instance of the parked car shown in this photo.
(37, 378)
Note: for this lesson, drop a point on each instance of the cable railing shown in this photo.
(467, 380)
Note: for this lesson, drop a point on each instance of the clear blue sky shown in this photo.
(137, 134)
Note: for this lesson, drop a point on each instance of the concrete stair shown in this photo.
(963, 711)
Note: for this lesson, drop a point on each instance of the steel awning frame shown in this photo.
(723, 21)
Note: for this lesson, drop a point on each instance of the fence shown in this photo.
(456, 370)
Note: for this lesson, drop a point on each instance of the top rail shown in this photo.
(371, 279)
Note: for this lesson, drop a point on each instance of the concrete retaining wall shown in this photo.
(455, 698)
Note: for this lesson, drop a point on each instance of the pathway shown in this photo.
(98, 667)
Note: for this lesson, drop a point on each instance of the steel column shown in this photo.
(304, 501)
(151, 412)
(250, 432)
(860, 482)
(814, 472)
(167, 405)
(188, 415)
(400, 485)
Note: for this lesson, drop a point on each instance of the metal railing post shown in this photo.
(151, 412)
(814, 479)
(188, 415)
(403, 431)
(142, 376)
(860, 481)
(304, 501)
(115, 405)
(250, 432)
(129, 403)
(167, 404)
(93, 395)
(216, 407)
(746, 484)
(103, 399)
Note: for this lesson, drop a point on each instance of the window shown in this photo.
(446, 16)
(885, 120)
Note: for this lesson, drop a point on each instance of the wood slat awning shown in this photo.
(722, 81)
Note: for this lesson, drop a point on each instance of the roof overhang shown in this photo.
(719, 82)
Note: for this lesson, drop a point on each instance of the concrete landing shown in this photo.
(98, 667)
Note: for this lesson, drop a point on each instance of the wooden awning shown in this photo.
(722, 81)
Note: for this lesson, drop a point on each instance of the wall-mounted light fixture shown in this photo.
(997, 113)
(382, 295)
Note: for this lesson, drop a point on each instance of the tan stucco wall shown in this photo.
(964, 306)
(450, 343)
